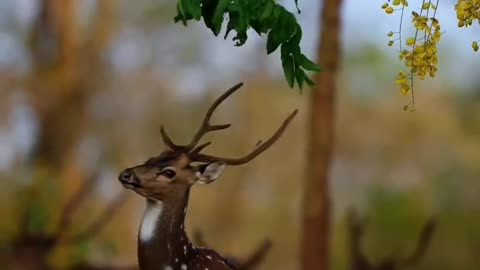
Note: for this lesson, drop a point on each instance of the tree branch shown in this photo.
(356, 231)
(423, 243)
(256, 257)
(75, 202)
(102, 220)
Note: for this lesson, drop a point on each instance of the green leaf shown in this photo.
(309, 82)
(240, 38)
(295, 40)
(284, 28)
(265, 17)
(192, 7)
(218, 15)
(307, 63)
(230, 27)
(266, 11)
(255, 4)
(299, 75)
(289, 70)
(290, 48)
(208, 9)
(238, 20)
(80, 252)
(181, 14)
(37, 218)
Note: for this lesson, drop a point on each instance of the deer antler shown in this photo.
(195, 156)
(204, 128)
(194, 151)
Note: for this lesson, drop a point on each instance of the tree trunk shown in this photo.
(316, 204)
(54, 87)
(66, 74)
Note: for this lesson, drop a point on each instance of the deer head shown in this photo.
(180, 166)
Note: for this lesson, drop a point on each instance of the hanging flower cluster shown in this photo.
(418, 53)
(468, 11)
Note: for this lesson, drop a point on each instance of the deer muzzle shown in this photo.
(128, 179)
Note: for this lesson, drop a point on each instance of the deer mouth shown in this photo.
(131, 185)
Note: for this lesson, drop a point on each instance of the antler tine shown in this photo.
(199, 148)
(206, 127)
(257, 151)
(166, 139)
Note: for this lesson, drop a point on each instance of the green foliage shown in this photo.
(80, 252)
(35, 202)
(263, 16)
(108, 248)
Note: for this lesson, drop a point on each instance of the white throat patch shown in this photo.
(150, 220)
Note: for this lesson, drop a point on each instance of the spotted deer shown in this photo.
(165, 182)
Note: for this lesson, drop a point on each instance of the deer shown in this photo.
(165, 181)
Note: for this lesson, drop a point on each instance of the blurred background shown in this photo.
(85, 85)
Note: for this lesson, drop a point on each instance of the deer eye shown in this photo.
(169, 173)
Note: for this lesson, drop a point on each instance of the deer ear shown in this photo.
(210, 172)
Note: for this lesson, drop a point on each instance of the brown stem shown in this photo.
(102, 220)
(76, 200)
(257, 257)
(423, 242)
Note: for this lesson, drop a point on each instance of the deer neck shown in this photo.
(162, 241)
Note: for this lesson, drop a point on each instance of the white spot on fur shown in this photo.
(150, 220)
(183, 266)
(209, 257)
(168, 267)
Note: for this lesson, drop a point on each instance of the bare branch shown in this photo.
(356, 231)
(75, 202)
(256, 257)
(359, 260)
(102, 220)
(423, 242)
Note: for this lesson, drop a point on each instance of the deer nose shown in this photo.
(126, 176)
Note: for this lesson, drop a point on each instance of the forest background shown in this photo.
(123, 68)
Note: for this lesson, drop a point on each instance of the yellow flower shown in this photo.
(475, 46)
(410, 41)
(404, 89)
(389, 10)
